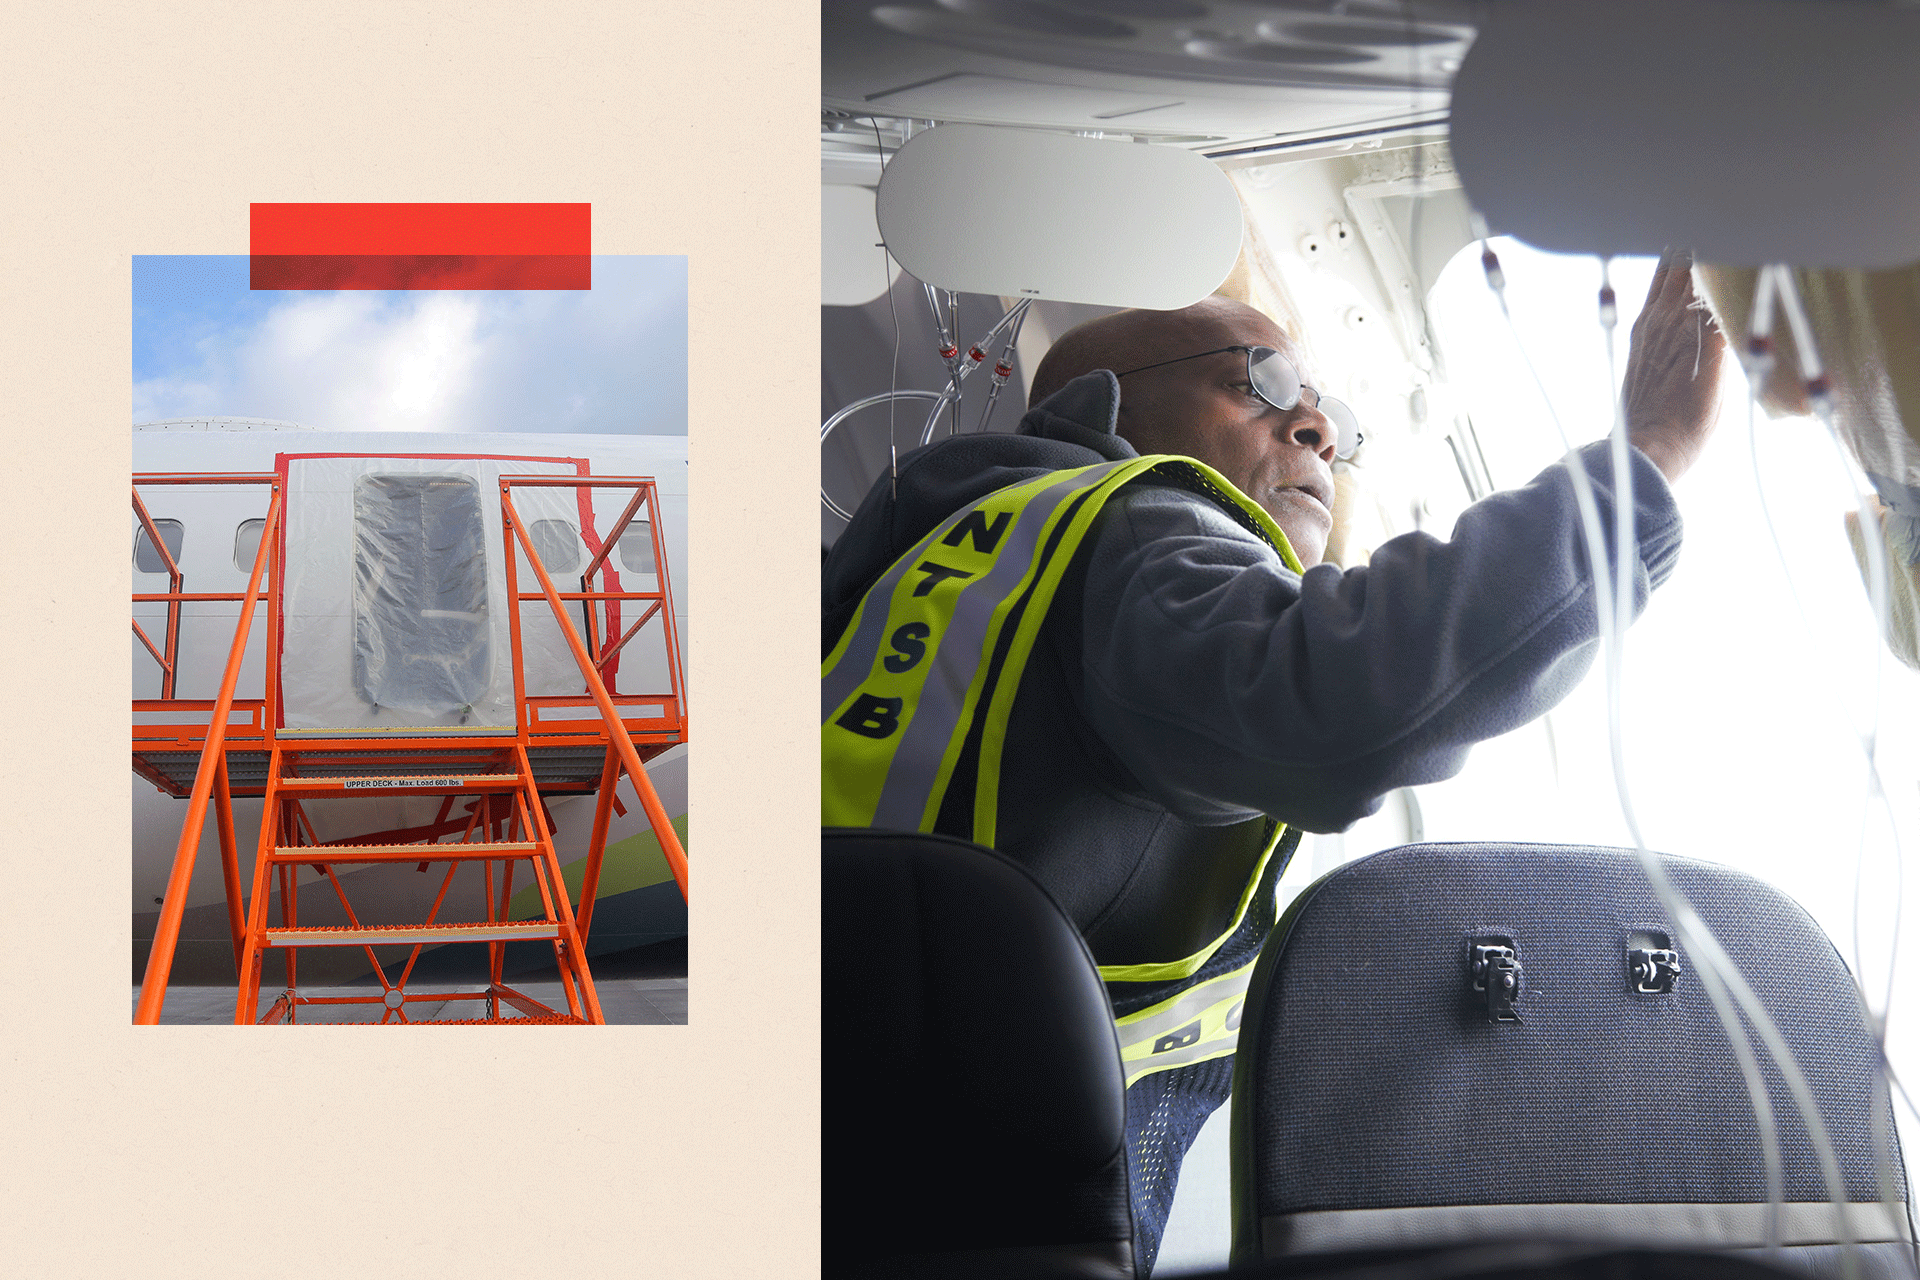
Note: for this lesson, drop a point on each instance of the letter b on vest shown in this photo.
(872, 717)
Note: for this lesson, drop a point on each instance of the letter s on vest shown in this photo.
(908, 645)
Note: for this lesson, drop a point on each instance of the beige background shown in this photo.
(657, 1151)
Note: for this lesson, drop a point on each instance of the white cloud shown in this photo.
(611, 359)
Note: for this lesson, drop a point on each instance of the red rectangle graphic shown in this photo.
(420, 271)
(463, 229)
(421, 246)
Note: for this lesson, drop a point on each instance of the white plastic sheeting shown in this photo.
(396, 612)
(420, 633)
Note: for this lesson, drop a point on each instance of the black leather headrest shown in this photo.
(972, 1096)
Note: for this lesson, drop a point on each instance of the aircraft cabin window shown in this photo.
(246, 544)
(636, 548)
(146, 557)
(558, 544)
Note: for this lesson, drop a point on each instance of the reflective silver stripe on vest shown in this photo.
(1201, 1022)
(1702, 1225)
(962, 651)
(863, 648)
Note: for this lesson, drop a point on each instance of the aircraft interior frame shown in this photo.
(1451, 210)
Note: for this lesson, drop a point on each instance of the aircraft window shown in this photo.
(1763, 595)
(636, 548)
(558, 544)
(1554, 303)
(146, 557)
(246, 544)
(421, 636)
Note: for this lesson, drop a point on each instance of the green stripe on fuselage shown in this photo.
(633, 863)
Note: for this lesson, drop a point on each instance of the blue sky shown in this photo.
(609, 359)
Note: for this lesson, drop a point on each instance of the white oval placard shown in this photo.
(854, 268)
(1035, 215)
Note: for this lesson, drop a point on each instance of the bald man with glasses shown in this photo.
(1200, 688)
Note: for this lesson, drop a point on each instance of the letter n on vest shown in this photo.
(974, 525)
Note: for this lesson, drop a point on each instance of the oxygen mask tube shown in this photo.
(943, 333)
(1819, 391)
(867, 402)
(959, 364)
(1694, 934)
(1003, 367)
(946, 325)
(946, 322)
(893, 370)
(1757, 360)
(1687, 921)
(893, 391)
(976, 355)
(957, 371)
(1776, 284)
(1720, 979)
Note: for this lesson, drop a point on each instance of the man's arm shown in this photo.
(1227, 684)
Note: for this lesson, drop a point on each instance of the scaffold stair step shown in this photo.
(558, 1019)
(429, 782)
(323, 854)
(409, 934)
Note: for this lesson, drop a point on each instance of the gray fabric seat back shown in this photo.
(1382, 1101)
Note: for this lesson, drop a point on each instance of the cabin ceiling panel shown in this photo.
(1224, 72)
(1606, 129)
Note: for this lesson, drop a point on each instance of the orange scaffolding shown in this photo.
(234, 747)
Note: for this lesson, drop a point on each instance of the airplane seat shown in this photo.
(1450, 1044)
(973, 1113)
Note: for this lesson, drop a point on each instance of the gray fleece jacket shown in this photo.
(1187, 683)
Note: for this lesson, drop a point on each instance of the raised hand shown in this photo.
(1673, 370)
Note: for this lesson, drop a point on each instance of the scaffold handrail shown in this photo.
(590, 670)
(213, 768)
(646, 493)
(168, 657)
(287, 838)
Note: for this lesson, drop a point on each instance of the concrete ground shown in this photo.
(645, 986)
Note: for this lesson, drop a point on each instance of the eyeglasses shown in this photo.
(1275, 380)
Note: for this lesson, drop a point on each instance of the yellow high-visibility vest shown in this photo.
(917, 693)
